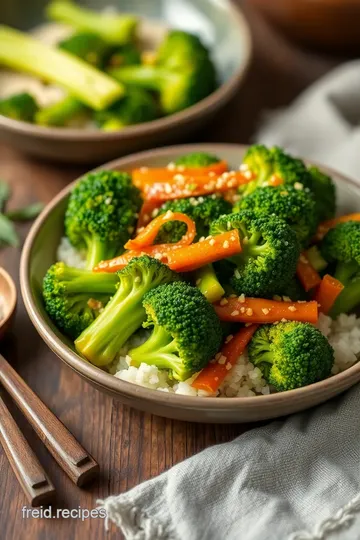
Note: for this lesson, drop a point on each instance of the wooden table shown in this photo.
(129, 445)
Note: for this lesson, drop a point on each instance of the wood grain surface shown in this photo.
(129, 445)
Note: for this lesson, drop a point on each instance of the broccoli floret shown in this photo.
(125, 55)
(88, 46)
(293, 290)
(273, 163)
(136, 107)
(101, 214)
(269, 255)
(203, 210)
(186, 333)
(295, 206)
(182, 75)
(19, 107)
(21, 52)
(73, 298)
(112, 27)
(291, 354)
(124, 314)
(197, 159)
(324, 191)
(341, 248)
(65, 112)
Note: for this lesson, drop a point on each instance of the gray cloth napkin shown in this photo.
(296, 479)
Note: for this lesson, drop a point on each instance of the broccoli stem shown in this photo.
(97, 251)
(148, 77)
(347, 300)
(208, 283)
(60, 113)
(315, 258)
(21, 52)
(114, 28)
(345, 271)
(159, 350)
(88, 281)
(103, 339)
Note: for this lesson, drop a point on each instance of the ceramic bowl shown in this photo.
(39, 254)
(220, 24)
(8, 298)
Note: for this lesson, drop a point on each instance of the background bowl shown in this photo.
(220, 24)
(39, 253)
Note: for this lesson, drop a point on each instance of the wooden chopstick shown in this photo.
(37, 486)
(68, 452)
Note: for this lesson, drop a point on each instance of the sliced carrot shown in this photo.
(183, 186)
(262, 311)
(147, 175)
(146, 213)
(181, 258)
(211, 377)
(327, 292)
(331, 223)
(307, 274)
(147, 236)
(212, 249)
(275, 181)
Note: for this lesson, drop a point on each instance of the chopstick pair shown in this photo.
(70, 455)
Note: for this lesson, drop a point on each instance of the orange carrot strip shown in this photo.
(275, 181)
(146, 212)
(193, 186)
(327, 225)
(307, 274)
(147, 236)
(181, 258)
(261, 311)
(147, 175)
(327, 292)
(212, 249)
(211, 377)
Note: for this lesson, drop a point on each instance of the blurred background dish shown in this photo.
(331, 25)
(221, 27)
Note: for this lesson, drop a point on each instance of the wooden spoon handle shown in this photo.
(32, 477)
(70, 455)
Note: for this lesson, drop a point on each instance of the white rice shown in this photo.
(244, 379)
(69, 255)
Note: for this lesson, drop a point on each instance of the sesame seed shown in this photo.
(212, 242)
(224, 301)
(140, 229)
(158, 256)
(241, 298)
(202, 239)
(155, 212)
(301, 301)
(242, 309)
(265, 311)
(137, 279)
(248, 175)
(167, 188)
(292, 308)
(216, 378)
(277, 298)
(234, 313)
(283, 319)
(222, 359)
(171, 166)
(249, 312)
(232, 296)
(181, 168)
(244, 167)
(144, 169)
(298, 185)
(286, 299)
(169, 214)
(228, 366)
(179, 177)
(229, 338)
(217, 355)
(108, 200)
(226, 245)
